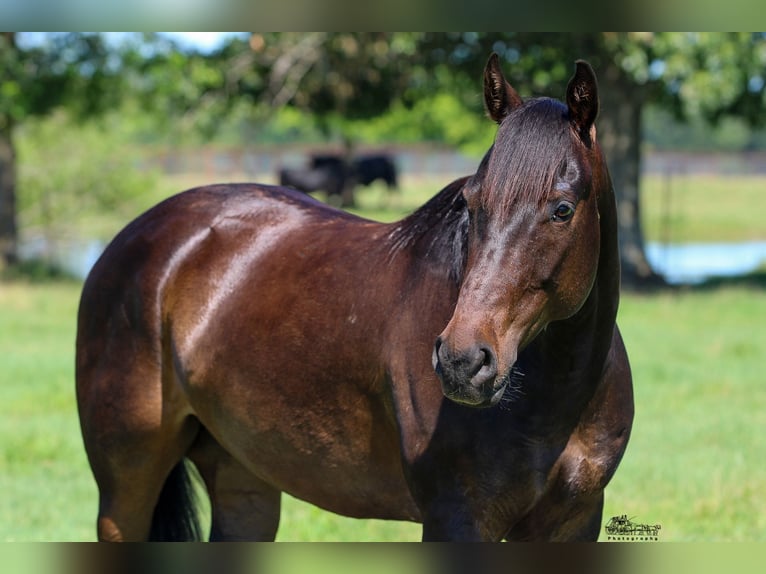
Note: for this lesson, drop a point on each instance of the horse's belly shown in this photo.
(341, 454)
(356, 490)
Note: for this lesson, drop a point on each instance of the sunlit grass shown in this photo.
(694, 461)
(47, 489)
(703, 208)
(693, 465)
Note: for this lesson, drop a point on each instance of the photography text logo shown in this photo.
(623, 529)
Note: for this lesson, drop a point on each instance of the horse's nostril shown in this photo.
(476, 366)
(488, 357)
(485, 366)
(479, 361)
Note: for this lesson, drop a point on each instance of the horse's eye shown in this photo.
(563, 212)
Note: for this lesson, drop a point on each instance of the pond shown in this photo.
(693, 263)
(75, 256)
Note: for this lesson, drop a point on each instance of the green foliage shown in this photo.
(36, 270)
(407, 85)
(354, 74)
(184, 93)
(661, 131)
(285, 125)
(712, 74)
(71, 172)
(401, 84)
(440, 118)
(76, 70)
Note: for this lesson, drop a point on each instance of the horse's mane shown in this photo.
(530, 147)
(437, 231)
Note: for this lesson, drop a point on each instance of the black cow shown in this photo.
(364, 169)
(373, 167)
(333, 180)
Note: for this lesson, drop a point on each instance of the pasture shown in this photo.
(693, 465)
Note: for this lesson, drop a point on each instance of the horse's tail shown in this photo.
(175, 516)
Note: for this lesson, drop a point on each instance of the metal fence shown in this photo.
(264, 163)
(418, 160)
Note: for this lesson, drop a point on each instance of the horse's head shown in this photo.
(533, 246)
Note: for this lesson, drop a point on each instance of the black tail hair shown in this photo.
(175, 516)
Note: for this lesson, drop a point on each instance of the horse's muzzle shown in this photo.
(468, 376)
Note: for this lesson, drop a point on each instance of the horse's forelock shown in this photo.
(531, 145)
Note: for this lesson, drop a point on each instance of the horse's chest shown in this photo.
(526, 476)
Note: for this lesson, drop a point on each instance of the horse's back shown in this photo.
(137, 265)
(120, 313)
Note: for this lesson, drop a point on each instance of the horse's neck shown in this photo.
(574, 351)
(435, 235)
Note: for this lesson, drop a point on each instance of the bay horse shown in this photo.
(461, 368)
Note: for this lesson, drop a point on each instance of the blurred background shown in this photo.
(97, 127)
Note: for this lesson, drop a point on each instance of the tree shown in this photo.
(710, 75)
(344, 77)
(331, 75)
(76, 70)
(336, 77)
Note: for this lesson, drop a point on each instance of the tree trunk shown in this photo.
(8, 228)
(347, 195)
(619, 132)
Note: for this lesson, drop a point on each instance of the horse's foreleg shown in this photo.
(561, 517)
(243, 506)
(449, 520)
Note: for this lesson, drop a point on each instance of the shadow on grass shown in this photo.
(36, 271)
(657, 284)
(754, 280)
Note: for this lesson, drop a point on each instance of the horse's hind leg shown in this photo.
(134, 437)
(130, 479)
(243, 506)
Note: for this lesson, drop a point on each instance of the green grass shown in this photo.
(703, 208)
(694, 463)
(48, 493)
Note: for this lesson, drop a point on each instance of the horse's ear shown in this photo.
(582, 100)
(499, 97)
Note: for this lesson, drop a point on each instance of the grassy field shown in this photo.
(694, 464)
(701, 208)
